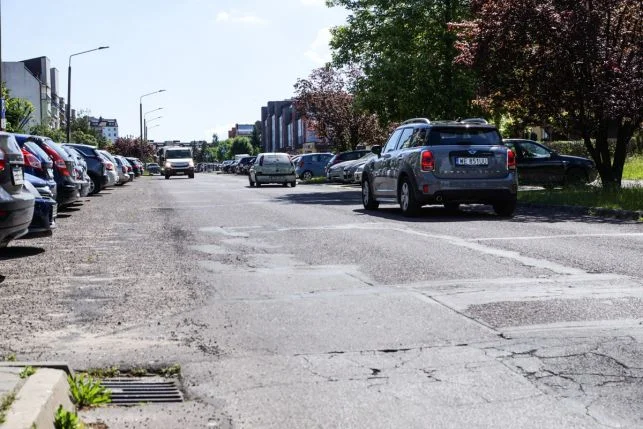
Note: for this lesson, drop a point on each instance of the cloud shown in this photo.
(234, 16)
(319, 50)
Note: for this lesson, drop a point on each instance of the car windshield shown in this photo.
(178, 153)
(464, 136)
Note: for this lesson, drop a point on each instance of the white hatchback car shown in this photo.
(272, 168)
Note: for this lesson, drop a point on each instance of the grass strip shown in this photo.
(623, 199)
(633, 168)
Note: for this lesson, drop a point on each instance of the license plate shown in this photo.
(472, 161)
(17, 176)
(179, 173)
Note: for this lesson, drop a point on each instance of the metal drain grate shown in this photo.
(132, 391)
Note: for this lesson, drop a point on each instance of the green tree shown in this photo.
(223, 150)
(404, 52)
(241, 145)
(82, 132)
(578, 64)
(215, 139)
(55, 134)
(18, 112)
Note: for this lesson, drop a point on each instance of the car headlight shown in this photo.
(191, 163)
(168, 165)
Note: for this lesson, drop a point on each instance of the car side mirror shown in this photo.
(377, 150)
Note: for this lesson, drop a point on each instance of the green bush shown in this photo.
(577, 147)
(66, 419)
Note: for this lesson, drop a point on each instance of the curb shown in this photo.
(589, 211)
(37, 400)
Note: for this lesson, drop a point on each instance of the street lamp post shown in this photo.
(69, 88)
(153, 126)
(147, 122)
(140, 109)
(144, 116)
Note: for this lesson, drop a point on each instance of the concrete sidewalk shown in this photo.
(32, 401)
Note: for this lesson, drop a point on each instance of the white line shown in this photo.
(545, 237)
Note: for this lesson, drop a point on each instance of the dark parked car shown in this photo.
(540, 166)
(80, 170)
(95, 166)
(68, 190)
(153, 168)
(137, 165)
(45, 208)
(16, 203)
(244, 164)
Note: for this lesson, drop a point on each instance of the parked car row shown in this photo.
(38, 176)
(238, 166)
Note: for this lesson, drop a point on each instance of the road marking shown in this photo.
(545, 237)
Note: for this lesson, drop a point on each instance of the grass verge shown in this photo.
(633, 169)
(313, 181)
(624, 199)
(5, 404)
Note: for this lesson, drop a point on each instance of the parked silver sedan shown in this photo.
(122, 169)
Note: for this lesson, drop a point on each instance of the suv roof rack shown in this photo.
(474, 121)
(416, 121)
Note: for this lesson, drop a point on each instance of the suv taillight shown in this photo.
(511, 159)
(31, 160)
(109, 166)
(428, 162)
(58, 160)
(3, 163)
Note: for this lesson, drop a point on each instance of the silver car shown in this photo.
(110, 168)
(122, 169)
(442, 162)
(272, 168)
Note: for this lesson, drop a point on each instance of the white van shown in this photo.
(176, 161)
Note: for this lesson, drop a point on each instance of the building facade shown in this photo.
(107, 127)
(283, 129)
(241, 130)
(36, 81)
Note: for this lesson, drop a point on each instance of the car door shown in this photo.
(381, 166)
(538, 164)
(395, 161)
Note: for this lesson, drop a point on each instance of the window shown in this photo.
(531, 150)
(419, 137)
(392, 142)
(464, 136)
(405, 139)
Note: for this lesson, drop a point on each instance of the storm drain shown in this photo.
(132, 391)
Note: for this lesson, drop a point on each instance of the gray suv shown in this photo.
(442, 162)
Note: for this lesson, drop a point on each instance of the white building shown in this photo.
(108, 127)
(36, 81)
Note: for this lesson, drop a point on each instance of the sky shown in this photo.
(219, 61)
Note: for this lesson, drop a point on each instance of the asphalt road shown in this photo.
(293, 307)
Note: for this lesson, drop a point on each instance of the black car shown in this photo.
(16, 203)
(136, 165)
(95, 166)
(244, 164)
(540, 166)
(67, 188)
(153, 168)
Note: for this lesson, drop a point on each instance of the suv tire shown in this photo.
(307, 175)
(406, 197)
(505, 208)
(367, 196)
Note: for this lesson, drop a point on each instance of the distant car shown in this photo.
(16, 203)
(226, 165)
(137, 165)
(272, 168)
(351, 155)
(153, 168)
(122, 168)
(80, 170)
(39, 164)
(335, 173)
(540, 166)
(95, 166)
(243, 166)
(311, 165)
(110, 169)
(351, 168)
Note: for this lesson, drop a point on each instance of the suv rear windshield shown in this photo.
(278, 157)
(464, 136)
(35, 149)
(178, 153)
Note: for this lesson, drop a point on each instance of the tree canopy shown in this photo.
(324, 99)
(577, 64)
(405, 53)
(18, 112)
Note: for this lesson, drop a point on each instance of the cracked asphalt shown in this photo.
(293, 307)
